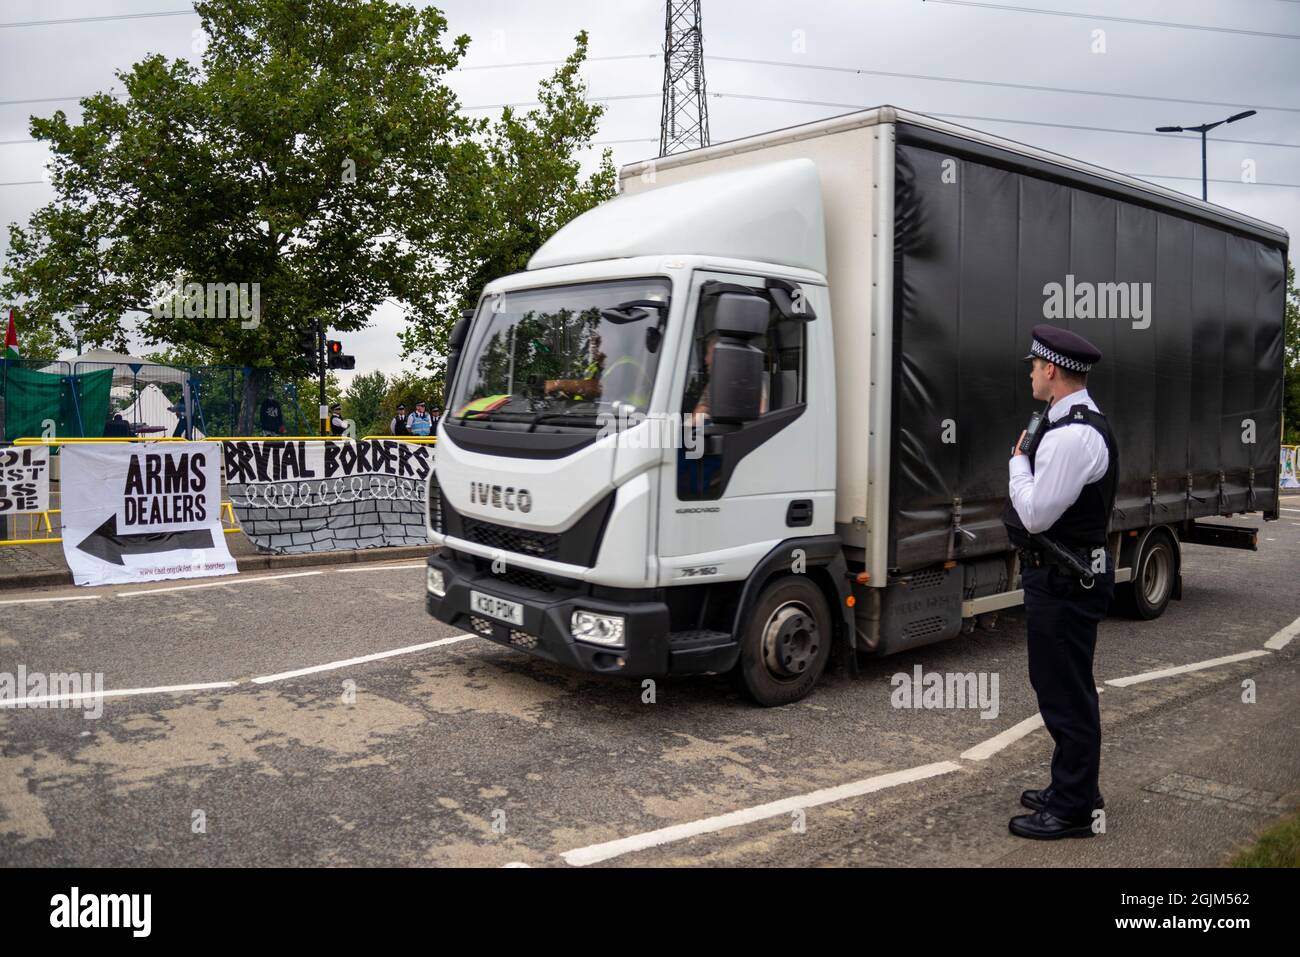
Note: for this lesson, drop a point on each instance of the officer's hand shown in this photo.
(1015, 449)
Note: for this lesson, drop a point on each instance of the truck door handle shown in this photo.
(800, 513)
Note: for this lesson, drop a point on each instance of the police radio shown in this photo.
(1034, 431)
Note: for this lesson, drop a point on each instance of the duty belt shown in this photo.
(1039, 558)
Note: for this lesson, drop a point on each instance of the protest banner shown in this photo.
(137, 513)
(298, 496)
(24, 480)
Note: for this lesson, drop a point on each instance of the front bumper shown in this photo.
(646, 651)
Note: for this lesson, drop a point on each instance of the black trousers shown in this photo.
(1062, 622)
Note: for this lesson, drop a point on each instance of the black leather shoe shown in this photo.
(1044, 826)
(1036, 800)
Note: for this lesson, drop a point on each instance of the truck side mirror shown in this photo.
(455, 342)
(736, 382)
(736, 376)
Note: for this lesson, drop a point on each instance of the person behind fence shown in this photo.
(397, 424)
(270, 417)
(420, 422)
(117, 427)
(178, 410)
(338, 425)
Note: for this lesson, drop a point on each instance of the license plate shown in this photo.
(498, 608)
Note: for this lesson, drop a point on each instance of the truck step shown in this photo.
(698, 638)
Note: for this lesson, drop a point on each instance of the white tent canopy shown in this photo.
(129, 370)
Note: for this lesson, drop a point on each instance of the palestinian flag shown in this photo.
(11, 338)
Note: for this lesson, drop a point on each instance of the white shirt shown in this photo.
(1068, 458)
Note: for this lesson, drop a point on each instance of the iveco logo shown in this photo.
(501, 496)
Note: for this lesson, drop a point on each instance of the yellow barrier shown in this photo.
(97, 440)
(227, 515)
(416, 439)
(413, 439)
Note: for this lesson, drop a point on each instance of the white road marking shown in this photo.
(378, 568)
(347, 663)
(1287, 508)
(33, 601)
(986, 749)
(233, 580)
(126, 692)
(602, 852)
(1283, 637)
(1183, 669)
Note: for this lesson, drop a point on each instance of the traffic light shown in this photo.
(335, 358)
(309, 348)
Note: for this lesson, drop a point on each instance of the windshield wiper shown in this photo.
(634, 310)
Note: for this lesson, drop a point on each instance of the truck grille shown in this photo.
(435, 505)
(518, 540)
(522, 577)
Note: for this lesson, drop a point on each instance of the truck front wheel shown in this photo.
(785, 642)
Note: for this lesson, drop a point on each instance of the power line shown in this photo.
(1197, 179)
(993, 119)
(1013, 86)
(120, 16)
(828, 68)
(1007, 8)
(50, 99)
(847, 106)
(590, 59)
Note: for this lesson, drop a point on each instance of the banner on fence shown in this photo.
(24, 480)
(1290, 467)
(325, 496)
(137, 513)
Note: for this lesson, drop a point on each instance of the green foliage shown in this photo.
(316, 151)
(363, 403)
(408, 388)
(526, 186)
(35, 341)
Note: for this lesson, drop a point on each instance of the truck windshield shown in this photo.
(563, 354)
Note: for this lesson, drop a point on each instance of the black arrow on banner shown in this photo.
(107, 545)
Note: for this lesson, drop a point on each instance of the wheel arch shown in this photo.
(824, 565)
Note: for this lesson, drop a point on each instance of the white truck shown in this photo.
(757, 408)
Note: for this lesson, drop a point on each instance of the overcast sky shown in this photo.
(1220, 55)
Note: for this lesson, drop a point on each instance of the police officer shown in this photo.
(1063, 492)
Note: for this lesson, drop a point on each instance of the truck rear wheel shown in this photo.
(785, 642)
(1155, 573)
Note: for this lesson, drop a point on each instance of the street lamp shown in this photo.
(1203, 129)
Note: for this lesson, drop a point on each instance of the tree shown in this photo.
(530, 186)
(363, 403)
(408, 388)
(1291, 397)
(305, 160)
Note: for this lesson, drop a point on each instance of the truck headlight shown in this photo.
(436, 582)
(598, 629)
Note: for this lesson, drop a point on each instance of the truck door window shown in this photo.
(783, 350)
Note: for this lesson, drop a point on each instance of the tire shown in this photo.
(1155, 574)
(785, 642)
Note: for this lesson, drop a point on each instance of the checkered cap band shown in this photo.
(1051, 355)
